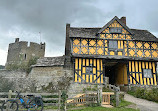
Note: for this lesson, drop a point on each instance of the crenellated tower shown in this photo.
(20, 52)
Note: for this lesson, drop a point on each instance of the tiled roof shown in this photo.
(143, 35)
(50, 61)
(83, 32)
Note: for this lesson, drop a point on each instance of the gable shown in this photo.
(107, 34)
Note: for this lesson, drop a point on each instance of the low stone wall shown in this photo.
(53, 78)
(43, 79)
(12, 74)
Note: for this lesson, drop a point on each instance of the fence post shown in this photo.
(98, 94)
(117, 96)
(9, 97)
(59, 103)
(10, 94)
(101, 95)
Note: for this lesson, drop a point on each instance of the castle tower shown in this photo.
(20, 52)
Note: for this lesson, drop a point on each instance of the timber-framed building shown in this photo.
(126, 56)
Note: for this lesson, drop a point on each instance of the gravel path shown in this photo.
(143, 105)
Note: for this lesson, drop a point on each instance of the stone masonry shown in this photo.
(20, 52)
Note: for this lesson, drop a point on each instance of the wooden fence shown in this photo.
(49, 99)
(89, 98)
(86, 98)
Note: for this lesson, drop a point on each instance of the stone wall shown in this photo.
(56, 76)
(19, 78)
(41, 79)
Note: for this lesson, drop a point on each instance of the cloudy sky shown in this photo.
(26, 18)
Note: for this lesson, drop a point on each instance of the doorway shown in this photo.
(116, 71)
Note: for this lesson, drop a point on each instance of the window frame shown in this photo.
(113, 48)
(90, 68)
(115, 30)
(148, 75)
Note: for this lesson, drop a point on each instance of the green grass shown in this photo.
(50, 107)
(122, 107)
(124, 103)
(99, 108)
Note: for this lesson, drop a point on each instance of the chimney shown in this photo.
(67, 41)
(16, 39)
(123, 20)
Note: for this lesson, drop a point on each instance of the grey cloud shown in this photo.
(51, 16)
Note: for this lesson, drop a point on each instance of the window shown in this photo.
(112, 44)
(147, 73)
(25, 56)
(116, 30)
(89, 69)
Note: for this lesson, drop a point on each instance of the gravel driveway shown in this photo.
(142, 104)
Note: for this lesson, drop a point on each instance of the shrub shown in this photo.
(149, 94)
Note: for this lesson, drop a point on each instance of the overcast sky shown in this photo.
(26, 18)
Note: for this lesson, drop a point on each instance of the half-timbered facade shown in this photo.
(126, 56)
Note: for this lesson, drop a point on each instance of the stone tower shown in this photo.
(20, 52)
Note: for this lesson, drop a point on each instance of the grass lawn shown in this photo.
(122, 107)
(99, 108)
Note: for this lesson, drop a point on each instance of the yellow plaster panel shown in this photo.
(119, 44)
(155, 79)
(84, 50)
(112, 53)
(146, 46)
(106, 30)
(92, 50)
(120, 53)
(131, 52)
(147, 53)
(102, 35)
(128, 37)
(98, 68)
(100, 43)
(154, 46)
(154, 54)
(76, 50)
(140, 53)
(115, 24)
(133, 70)
(92, 42)
(131, 44)
(122, 36)
(106, 50)
(115, 36)
(136, 68)
(76, 42)
(100, 51)
(109, 36)
(106, 43)
(139, 44)
(84, 42)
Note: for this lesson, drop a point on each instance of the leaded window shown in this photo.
(113, 44)
(117, 30)
(89, 69)
(147, 73)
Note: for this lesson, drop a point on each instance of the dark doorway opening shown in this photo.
(110, 72)
(116, 71)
